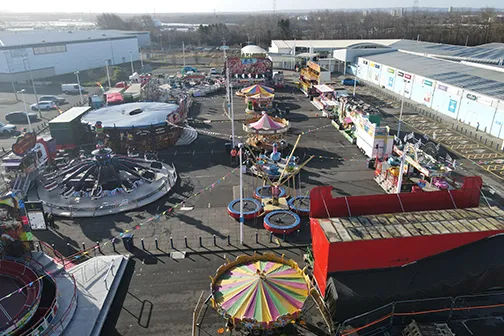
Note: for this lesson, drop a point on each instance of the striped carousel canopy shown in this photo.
(257, 89)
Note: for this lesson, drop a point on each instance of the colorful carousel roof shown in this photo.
(257, 89)
(260, 291)
(267, 125)
(262, 95)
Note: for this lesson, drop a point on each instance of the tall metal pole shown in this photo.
(232, 115)
(108, 74)
(131, 63)
(355, 79)
(183, 52)
(401, 171)
(229, 92)
(240, 148)
(10, 75)
(80, 88)
(33, 84)
(26, 111)
(141, 59)
(401, 112)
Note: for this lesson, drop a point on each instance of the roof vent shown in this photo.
(43, 41)
(69, 32)
(89, 37)
(103, 34)
(135, 112)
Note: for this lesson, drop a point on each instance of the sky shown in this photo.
(192, 6)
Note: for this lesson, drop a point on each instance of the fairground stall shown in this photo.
(308, 77)
(361, 125)
(421, 172)
(325, 99)
(253, 67)
(263, 131)
(140, 126)
(278, 80)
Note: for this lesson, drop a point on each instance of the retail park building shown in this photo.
(463, 83)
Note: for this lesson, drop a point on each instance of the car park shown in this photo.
(7, 129)
(57, 100)
(44, 105)
(20, 117)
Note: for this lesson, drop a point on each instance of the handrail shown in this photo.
(67, 311)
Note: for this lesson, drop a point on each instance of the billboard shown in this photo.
(253, 66)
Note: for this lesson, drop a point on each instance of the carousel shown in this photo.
(257, 98)
(260, 294)
(263, 131)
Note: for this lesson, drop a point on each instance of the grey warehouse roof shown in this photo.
(139, 115)
(41, 37)
(487, 82)
(488, 52)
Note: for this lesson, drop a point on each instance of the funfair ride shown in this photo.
(103, 182)
(264, 131)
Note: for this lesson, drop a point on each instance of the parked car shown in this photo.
(7, 129)
(57, 100)
(213, 71)
(72, 88)
(349, 81)
(44, 105)
(19, 117)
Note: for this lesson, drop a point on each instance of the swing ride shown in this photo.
(276, 198)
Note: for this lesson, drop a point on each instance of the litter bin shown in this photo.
(371, 163)
(128, 243)
(228, 146)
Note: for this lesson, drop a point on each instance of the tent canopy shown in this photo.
(264, 95)
(266, 123)
(323, 88)
(257, 89)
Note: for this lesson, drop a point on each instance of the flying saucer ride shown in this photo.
(259, 292)
(103, 182)
(263, 131)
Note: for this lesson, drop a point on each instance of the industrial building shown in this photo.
(464, 83)
(50, 53)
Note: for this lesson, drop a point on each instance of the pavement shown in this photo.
(8, 103)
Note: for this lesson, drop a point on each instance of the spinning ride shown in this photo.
(259, 292)
(103, 182)
(257, 98)
(264, 131)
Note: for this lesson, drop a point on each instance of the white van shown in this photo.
(72, 88)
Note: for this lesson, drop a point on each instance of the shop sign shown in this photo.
(365, 62)
(442, 87)
(471, 97)
(485, 101)
(24, 144)
(407, 76)
(427, 82)
(400, 74)
(390, 70)
(377, 66)
(371, 64)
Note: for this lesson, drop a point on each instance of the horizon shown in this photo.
(32, 7)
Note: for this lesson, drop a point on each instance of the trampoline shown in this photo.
(280, 221)
(251, 208)
(265, 192)
(17, 309)
(300, 205)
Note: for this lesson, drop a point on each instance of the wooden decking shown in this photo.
(424, 223)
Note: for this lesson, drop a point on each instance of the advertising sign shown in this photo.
(452, 106)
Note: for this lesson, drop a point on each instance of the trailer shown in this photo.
(68, 130)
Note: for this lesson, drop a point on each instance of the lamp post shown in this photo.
(25, 110)
(355, 79)
(10, 75)
(141, 59)
(80, 88)
(108, 73)
(401, 111)
(131, 63)
(240, 150)
(33, 84)
(183, 52)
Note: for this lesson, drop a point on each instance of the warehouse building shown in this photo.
(50, 53)
(462, 91)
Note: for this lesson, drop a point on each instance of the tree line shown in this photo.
(459, 28)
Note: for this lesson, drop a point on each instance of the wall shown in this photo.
(498, 121)
(422, 90)
(320, 249)
(78, 56)
(475, 108)
(446, 99)
(388, 77)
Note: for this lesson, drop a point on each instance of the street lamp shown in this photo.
(355, 79)
(401, 111)
(240, 151)
(108, 73)
(26, 112)
(10, 75)
(80, 88)
(33, 84)
(131, 62)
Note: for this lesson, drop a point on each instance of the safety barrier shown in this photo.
(443, 309)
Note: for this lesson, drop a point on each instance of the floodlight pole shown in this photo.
(26, 112)
(80, 88)
(401, 111)
(108, 73)
(240, 150)
(401, 171)
(33, 84)
(355, 80)
(131, 63)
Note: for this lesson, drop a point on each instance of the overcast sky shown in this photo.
(170, 6)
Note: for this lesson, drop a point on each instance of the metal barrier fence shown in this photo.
(443, 309)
